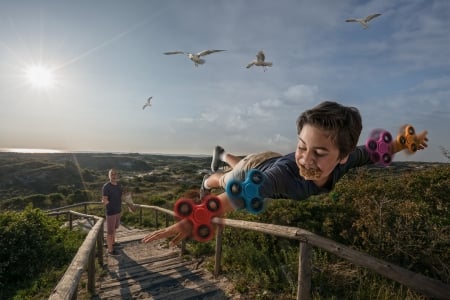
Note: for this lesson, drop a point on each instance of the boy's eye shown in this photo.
(316, 153)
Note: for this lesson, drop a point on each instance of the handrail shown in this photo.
(164, 210)
(425, 285)
(67, 286)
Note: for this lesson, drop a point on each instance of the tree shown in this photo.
(445, 152)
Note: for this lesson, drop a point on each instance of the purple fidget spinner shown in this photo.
(379, 146)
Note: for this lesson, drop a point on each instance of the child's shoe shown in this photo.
(216, 158)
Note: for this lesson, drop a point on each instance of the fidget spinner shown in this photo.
(379, 146)
(245, 194)
(200, 215)
(408, 139)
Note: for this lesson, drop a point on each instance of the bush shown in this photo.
(32, 244)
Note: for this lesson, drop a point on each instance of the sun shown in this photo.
(40, 76)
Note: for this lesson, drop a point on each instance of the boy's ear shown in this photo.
(344, 160)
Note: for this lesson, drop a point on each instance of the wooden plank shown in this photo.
(159, 282)
(144, 274)
(147, 260)
(204, 289)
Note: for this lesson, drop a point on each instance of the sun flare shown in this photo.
(40, 76)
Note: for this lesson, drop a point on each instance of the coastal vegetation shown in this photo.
(400, 214)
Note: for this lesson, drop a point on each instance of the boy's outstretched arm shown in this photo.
(183, 228)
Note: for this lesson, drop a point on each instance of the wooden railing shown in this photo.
(425, 285)
(84, 259)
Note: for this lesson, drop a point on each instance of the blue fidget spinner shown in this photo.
(245, 194)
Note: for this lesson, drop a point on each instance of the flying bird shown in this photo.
(260, 61)
(365, 21)
(195, 57)
(147, 103)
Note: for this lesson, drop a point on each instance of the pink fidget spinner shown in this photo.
(379, 146)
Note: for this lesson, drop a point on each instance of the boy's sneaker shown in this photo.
(113, 253)
(216, 158)
(203, 191)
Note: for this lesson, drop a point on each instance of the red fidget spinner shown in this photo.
(200, 215)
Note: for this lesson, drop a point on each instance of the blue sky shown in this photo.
(106, 59)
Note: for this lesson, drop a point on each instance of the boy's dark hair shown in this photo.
(343, 123)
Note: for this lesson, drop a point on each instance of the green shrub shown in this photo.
(33, 244)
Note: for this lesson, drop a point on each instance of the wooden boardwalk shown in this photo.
(154, 271)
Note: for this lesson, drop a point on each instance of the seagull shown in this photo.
(364, 22)
(148, 103)
(195, 57)
(260, 57)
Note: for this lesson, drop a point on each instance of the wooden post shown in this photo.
(304, 272)
(100, 241)
(70, 221)
(74, 296)
(183, 247)
(218, 256)
(91, 271)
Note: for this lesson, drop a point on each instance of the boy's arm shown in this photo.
(105, 198)
(183, 228)
(127, 197)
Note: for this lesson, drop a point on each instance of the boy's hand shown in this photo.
(422, 139)
(128, 198)
(180, 230)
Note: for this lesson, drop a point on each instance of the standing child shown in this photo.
(112, 193)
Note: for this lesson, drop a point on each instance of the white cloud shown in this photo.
(302, 93)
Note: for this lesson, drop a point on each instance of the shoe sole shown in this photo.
(216, 159)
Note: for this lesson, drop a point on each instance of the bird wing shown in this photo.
(148, 102)
(370, 17)
(250, 64)
(206, 52)
(351, 20)
(260, 57)
(173, 52)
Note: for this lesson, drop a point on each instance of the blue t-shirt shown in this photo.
(114, 194)
(283, 180)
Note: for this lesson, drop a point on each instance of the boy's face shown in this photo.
(316, 155)
(113, 175)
